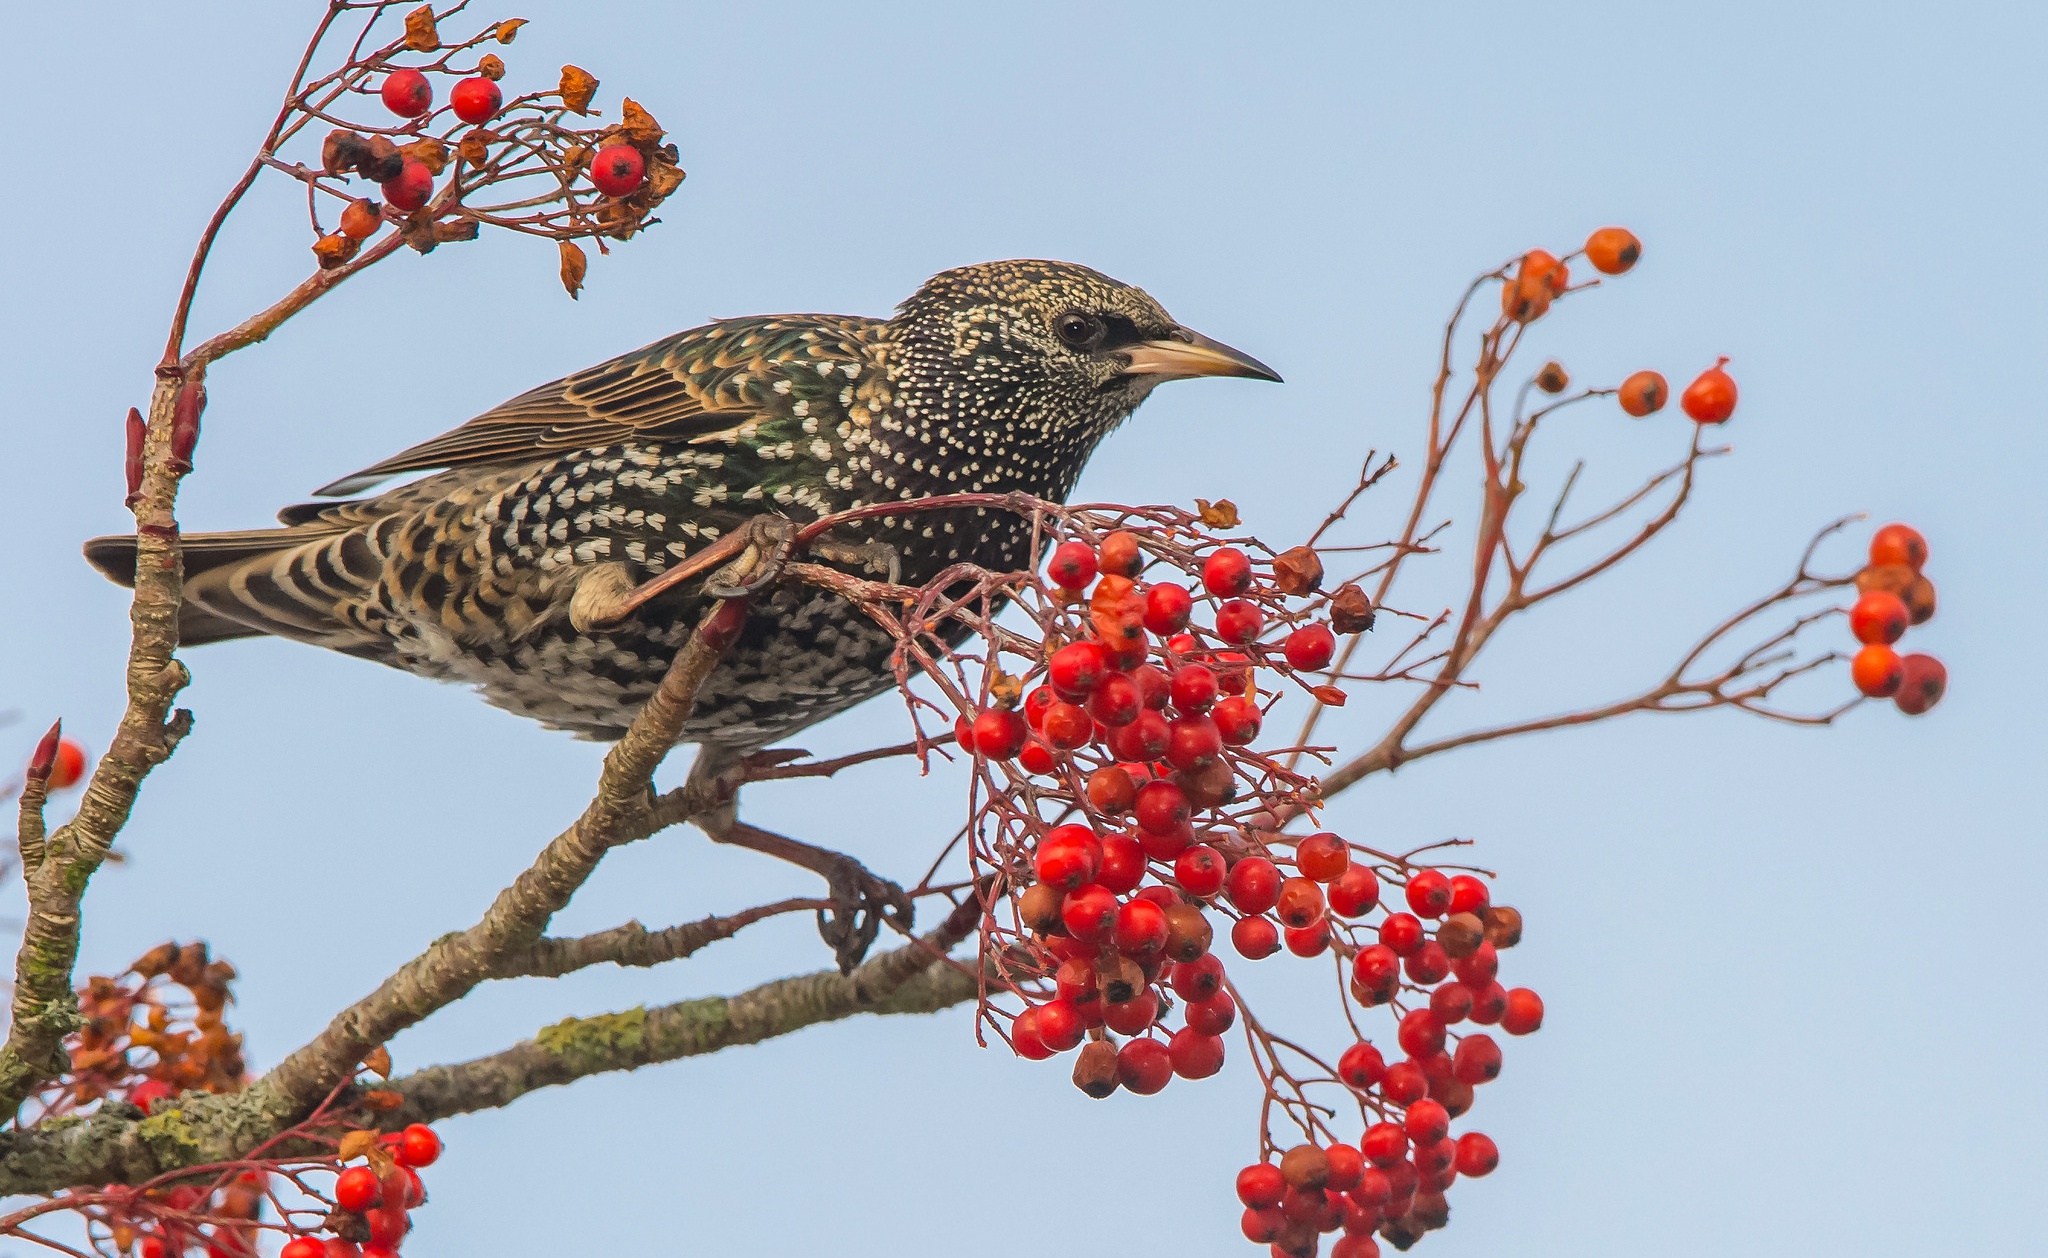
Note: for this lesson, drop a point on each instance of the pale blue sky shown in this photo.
(1793, 984)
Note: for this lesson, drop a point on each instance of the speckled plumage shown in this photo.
(981, 382)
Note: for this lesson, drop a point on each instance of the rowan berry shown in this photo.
(1477, 1154)
(387, 1227)
(1477, 968)
(303, 1247)
(1089, 912)
(1710, 399)
(1426, 1122)
(1383, 1144)
(411, 188)
(417, 1144)
(1143, 739)
(1402, 933)
(1477, 1059)
(476, 100)
(1643, 393)
(1255, 938)
(1111, 790)
(357, 1189)
(374, 1250)
(1468, 894)
(1076, 669)
(1213, 1016)
(1263, 1224)
(153, 1246)
(1238, 622)
(361, 218)
(1161, 808)
(1489, 1004)
(1429, 893)
(617, 169)
(1421, 1035)
(1024, 1037)
(1376, 966)
(1300, 903)
(333, 1247)
(1195, 1056)
(403, 1189)
(407, 93)
(1613, 250)
(1143, 1066)
(1060, 1025)
(1227, 573)
(1925, 681)
(1322, 857)
(1919, 599)
(1237, 720)
(1000, 733)
(1310, 648)
(1133, 1016)
(1200, 871)
(1123, 863)
(1193, 742)
(1427, 964)
(1116, 701)
(1357, 1242)
(1405, 1083)
(1877, 671)
(1140, 930)
(1072, 565)
(1373, 1188)
(1878, 618)
(1253, 885)
(1524, 1012)
(1432, 1159)
(1312, 940)
(1899, 544)
(1260, 1185)
(1451, 1003)
(1037, 758)
(1355, 891)
(1068, 857)
(1168, 608)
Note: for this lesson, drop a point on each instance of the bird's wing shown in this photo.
(691, 385)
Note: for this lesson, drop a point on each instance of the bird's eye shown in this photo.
(1080, 329)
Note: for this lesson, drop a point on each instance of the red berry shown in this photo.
(1143, 740)
(303, 1247)
(1089, 912)
(1121, 555)
(146, 1094)
(1143, 1066)
(1024, 1037)
(1477, 1060)
(1198, 979)
(1195, 1056)
(1255, 938)
(1427, 964)
(1376, 968)
(1710, 399)
(1361, 1066)
(1879, 617)
(1477, 970)
(1925, 681)
(1193, 742)
(1123, 863)
(1402, 933)
(1477, 1155)
(412, 188)
(1878, 671)
(1116, 701)
(1162, 808)
(361, 219)
(1038, 703)
(1613, 250)
(1451, 1003)
(1383, 1144)
(1311, 648)
(1037, 758)
(1133, 1016)
(356, 1189)
(1355, 892)
(1468, 894)
(1426, 1122)
(1357, 1243)
(1192, 688)
(1075, 981)
(1300, 903)
(417, 1144)
(1489, 1004)
(1239, 622)
(1312, 940)
(1405, 1083)
(333, 1246)
(1200, 871)
(1524, 1012)
(1227, 573)
(476, 100)
(1322, 857)
(387, 1227)
(1253, 885)
(1140, 931)
(1259, 1185)
(617, 169)
(1153, 686)
(1237, 720)
(1075, 670)
(1898, 544)
(1060, 1026)
(1068, 857)
(1213, 1016)
(1168, 607)
(1066, 726)
(1429, 893)
(1421, 1034)
(1072, 565)
(1000, 733)
(1262, 1225)
(1432, 1159)
(407, 93)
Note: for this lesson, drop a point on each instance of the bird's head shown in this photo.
(1049, 346)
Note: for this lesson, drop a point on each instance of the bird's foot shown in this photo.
(768, 542)
(874, 558)
(861, 902)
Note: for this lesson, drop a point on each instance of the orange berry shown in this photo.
(1924, 684)
(1877, 671)
(1538, 278)
(1643, 393)
(1878, 617)
(1613, 250)
(361, 219)
(1894, 578)
(69, 766)
(1898, 544)
(1711, 398)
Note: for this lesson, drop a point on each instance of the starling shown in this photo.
(992, 378)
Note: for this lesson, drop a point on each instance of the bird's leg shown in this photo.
(873, 558)
(861, 901)
(759, 564)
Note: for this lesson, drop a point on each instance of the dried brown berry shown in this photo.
(1095, 1069)
(1188, 933)
(1461, 934)
(1350, 610)
(1305, 1167)
(1503, 925)
(1553, 378)
(1892, 578)
(1919, 600)
(1039, 908)
(335, 250)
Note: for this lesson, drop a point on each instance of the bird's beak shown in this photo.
(1192, 354)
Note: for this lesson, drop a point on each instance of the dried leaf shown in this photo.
(457, 230)
(1329, 696)
(380, 160)
(1298, 571)
(334, 250)
(356, 1144)
(507, 29)
(574, 265)
(1117, 611)
(491, 67)
(342, 151)
(382, 1099)
(420, 35)
(476, 147)
(1220, 514)
(431, 154)
(662, 179)
(1006, 691)
(577, 88)
(378, 1059)
(418, 231)
(638, 125)
(1350, 610)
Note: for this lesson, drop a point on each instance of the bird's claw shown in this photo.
(861, 902)
(769, 538)
(874, 558)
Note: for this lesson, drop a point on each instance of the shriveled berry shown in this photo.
(1143, 1067)
(407, 93)
(1300, 903)
(1076, 669)
(1613, 250)
(1238, 622)
(1925, 681)
(1355, 891)
(1877, 671)
(1305, 1166)
(1213, 1016)
(1477, 1059)
(411, 188)
(1919, 599)
(1524, 1012)
(1426, 1122)
(1710, 399)
(1310, 648)
(1255, 938)
(1000, 733)
(1111, 790)
(1253, 885)
(1477, 1155)
(1200, 871)
(1322, 857)
(1072, 565)
(1195, 1056)
(357, 1189)
(617, 169)
(1237, 720)
(1227, 573)
(361, 218)
(476, 99)
(1089, 912)
(1461, 934)
(1898, 544)
(1643, 393)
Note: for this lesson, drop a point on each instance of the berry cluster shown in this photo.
(1895, 594)
(373, 1200)
(142, 1044)
(1124, 820)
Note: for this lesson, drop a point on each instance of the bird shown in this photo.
(526, 523)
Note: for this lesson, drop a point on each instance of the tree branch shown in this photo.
(635, 945)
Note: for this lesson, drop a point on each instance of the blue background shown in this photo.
(1793, 981)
